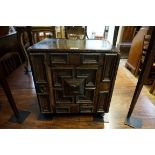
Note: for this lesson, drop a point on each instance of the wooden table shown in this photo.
(73, 76)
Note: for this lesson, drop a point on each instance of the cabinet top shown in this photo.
(56, 45)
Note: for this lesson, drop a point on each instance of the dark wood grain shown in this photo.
(71, 45)
(129, 33)
(71, 72)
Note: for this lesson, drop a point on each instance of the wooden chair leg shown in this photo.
(152, 87)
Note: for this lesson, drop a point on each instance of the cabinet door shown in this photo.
(74, 81)
(74, 88)
(64, 85)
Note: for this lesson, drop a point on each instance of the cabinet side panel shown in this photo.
(39, 71)
(41, 82)
(109, 70)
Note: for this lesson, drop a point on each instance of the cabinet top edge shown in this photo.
(49, 44)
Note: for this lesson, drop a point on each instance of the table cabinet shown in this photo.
(73, 76)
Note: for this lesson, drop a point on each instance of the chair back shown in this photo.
(39, 33)
(76, 32)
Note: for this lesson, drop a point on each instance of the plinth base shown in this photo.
(101, 117)
(45, 117)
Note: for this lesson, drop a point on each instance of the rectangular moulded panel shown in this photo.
(86, 108)
(60, 99)
(109, 62)
(62, 110)
(38, 68)
(87, 98)
(105, 86)
(74, 59)
(59, 58)
(89, 75)
(103, 106)
(90, 58)
(73, 87)
(42, 88)
(67, 108)
(59, 74)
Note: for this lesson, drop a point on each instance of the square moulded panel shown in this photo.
(89, 75)
(60, 99)
(88, 97)
(59, 74)
(59, 58)
(90, 59)
(39, 68)
(73, 87)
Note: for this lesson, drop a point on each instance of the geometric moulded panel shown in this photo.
(39, 68)
(60, 99)
(73, 76)
(87, 98)
(58, 74)
(103, 106)
(73, 87)
(89, 75)
(109, 64)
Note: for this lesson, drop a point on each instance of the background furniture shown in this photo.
(73, 76)
(151, 76)
(127, 33)
(7, 91)
(152, 87)
(124, 49)
(76, 32)
(24, 43)
(19, 116)
(148, 61)
(138, 52)
(10, 62)
(10, 54)
(135, 52)
(29, 35)
(41, 32)
(4, 30)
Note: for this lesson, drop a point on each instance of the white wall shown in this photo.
(110, 34)
(99, 30)
(120, 33)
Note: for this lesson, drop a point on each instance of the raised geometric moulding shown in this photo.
(73, 87)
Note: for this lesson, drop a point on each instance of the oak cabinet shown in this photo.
(73, 76)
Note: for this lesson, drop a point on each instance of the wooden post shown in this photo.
(28, 29)
(115, 35)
